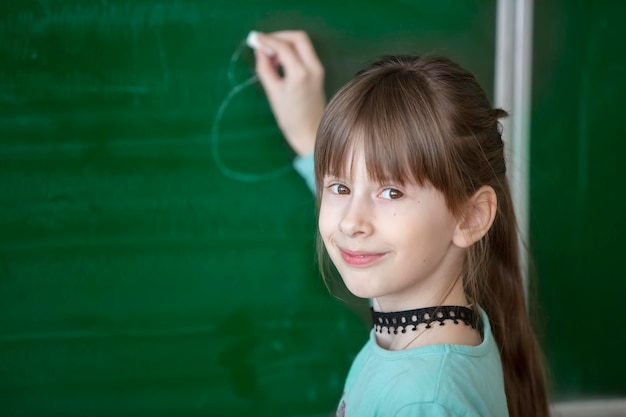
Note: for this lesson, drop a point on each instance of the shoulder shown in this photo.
(449, 384)
(425, 409)
(452, 380)
(435, 380)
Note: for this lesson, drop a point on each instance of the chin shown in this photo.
(360, 291)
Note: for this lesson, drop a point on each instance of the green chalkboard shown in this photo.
(156, 247)
(577, 191)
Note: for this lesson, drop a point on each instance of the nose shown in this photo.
(357, 218)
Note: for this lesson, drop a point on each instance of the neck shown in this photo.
(422, 333)
(403, 321)
(451, 294)
(427, 326)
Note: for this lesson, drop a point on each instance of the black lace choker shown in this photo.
(403, 319)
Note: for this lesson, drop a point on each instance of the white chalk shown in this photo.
(253, 42)
(253, 39)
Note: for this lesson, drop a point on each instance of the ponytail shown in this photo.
(500, 292)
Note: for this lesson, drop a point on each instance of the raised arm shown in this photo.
(293, 79)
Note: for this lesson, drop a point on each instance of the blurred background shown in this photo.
(157, 248)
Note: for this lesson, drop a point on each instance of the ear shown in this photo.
(478, 215)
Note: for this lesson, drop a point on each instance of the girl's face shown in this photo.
(389, 242)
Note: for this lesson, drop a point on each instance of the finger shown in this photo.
(266, 69)
(302, 44)
(286, 55)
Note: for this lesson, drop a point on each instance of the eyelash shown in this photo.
(335, 189)
(390, 190)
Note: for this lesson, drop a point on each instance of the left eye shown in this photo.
(391, 194)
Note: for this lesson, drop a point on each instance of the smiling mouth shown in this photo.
(359, 258)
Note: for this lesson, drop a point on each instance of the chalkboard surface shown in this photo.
(577, 189)
(156, 247)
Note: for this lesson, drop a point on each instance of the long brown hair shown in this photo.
(426, 119)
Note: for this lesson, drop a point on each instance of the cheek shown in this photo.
(324, 222)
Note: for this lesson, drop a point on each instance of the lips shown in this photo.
(360, 258)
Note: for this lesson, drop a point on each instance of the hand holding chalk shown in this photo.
(253, 42)
(293, 79)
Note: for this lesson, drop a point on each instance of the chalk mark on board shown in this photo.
(236, 89)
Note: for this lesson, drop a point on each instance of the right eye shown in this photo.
(339, 189)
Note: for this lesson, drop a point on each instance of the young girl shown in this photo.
(415, 213)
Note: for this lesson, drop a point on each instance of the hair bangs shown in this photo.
(373, 115)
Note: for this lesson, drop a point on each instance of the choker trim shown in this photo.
(403, 319)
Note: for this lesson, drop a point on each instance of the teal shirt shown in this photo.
(428, 381)
(304, 166)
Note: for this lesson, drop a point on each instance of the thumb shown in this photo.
(267, 70)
